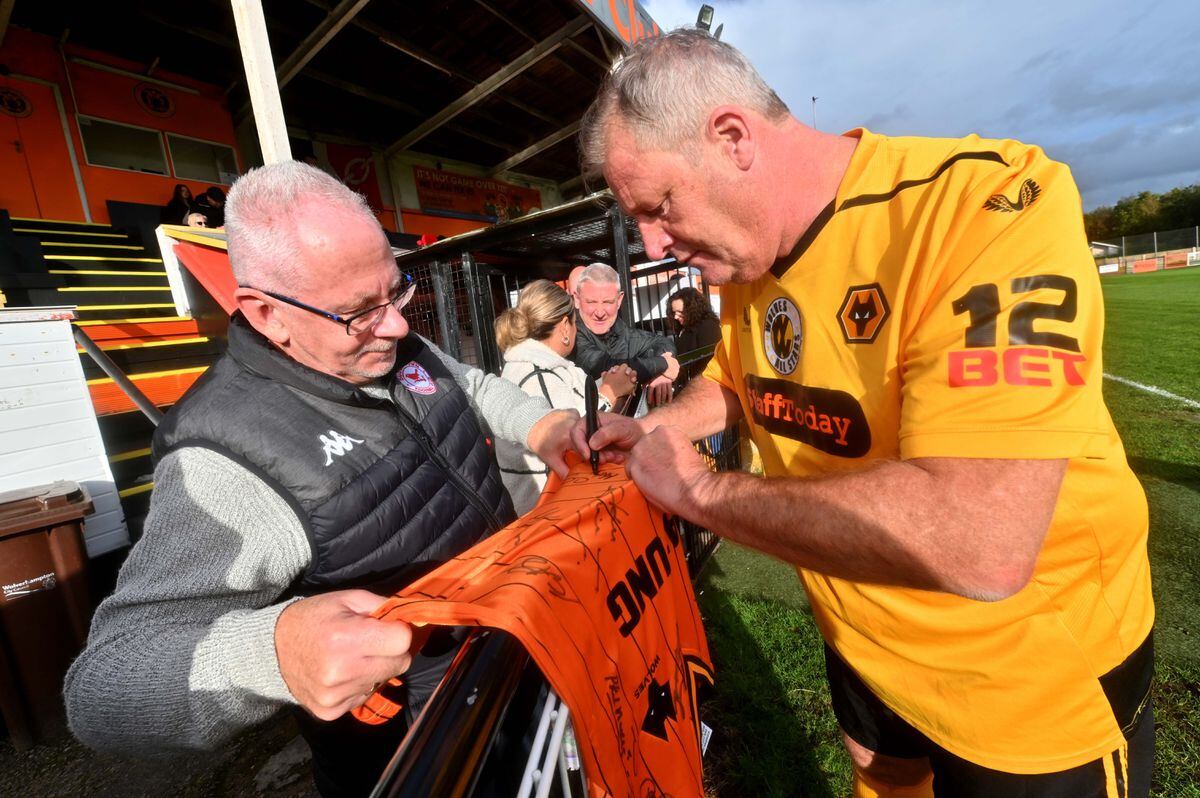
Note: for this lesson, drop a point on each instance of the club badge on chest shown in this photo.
(415, 378)
(783, 335)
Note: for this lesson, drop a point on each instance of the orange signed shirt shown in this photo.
(595, 586)
(946, 304)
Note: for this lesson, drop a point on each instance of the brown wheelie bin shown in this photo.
(45, 605)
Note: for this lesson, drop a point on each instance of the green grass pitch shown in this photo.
(775, 734)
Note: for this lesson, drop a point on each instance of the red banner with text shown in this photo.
(465, 197)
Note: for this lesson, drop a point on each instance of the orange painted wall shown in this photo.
(107, 96)
(110, 96)
(419, 224)
(37, 178)
(387, 219)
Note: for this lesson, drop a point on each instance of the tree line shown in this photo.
(1146, 212)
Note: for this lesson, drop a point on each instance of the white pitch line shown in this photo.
(1154, 390)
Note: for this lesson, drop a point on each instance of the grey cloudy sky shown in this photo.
(1110, 88)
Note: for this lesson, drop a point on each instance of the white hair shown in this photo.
(261, 226)
(665, 87)
(599, 273)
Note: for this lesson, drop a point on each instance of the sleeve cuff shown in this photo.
(244, 644)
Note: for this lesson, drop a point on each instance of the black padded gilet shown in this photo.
(384, 494)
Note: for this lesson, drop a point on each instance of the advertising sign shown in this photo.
(479, 198)
(626, 19)
(355, 167)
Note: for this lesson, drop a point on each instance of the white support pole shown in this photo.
(260, 78)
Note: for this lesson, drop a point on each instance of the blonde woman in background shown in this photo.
(536, 336)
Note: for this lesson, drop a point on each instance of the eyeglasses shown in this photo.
(362, 321)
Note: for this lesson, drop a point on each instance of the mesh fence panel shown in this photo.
(1152, 243)
(421, 312)
(1139, 245)
(651, 287)
(505, 289)
(1178, 239)
(461, 321)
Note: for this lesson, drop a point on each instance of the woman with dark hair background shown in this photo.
(697, 326)
(182, 205)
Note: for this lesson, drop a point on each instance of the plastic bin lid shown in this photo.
(44, 505)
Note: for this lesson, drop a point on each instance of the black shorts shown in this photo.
(866, 720)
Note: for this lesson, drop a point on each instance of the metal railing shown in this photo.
(117, 376)
(1165, 249)
(1151, 243)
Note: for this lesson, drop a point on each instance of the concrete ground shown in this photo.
(270, 761)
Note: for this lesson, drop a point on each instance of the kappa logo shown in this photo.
(336, 444)
(863, 312)
(415, 378)
(1028, 195)
(783, 333)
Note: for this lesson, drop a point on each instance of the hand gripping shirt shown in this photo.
(594, 582)
(946, 304)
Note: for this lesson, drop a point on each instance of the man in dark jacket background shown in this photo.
(605, 340)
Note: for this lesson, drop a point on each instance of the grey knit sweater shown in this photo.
(182, 654)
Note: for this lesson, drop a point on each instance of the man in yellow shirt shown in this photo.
(912, 329)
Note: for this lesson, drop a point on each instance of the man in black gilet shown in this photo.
(329, 457)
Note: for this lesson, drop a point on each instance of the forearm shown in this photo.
(648, 349)
(972, 531)
(170, 685)
(647, 367)
(182, 655)
(701, 409)
(607, 397)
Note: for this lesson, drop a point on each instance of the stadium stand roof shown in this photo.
(498, 83)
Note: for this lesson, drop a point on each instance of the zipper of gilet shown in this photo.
(414, 427)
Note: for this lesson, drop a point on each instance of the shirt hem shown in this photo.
(1026, 767)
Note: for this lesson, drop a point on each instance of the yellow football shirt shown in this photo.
(946, 304)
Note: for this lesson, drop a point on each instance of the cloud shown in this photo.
(1099, 85)
(897, 115)
(1135, 158)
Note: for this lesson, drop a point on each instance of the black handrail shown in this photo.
(116, 375)
(444, 752)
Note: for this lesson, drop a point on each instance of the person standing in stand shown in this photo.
(696, 327)
(536, 336)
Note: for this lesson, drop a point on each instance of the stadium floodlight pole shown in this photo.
(705, 17)
(814, 99)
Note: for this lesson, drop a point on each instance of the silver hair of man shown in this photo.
(261, 227)
(664, 89)
(599, 273)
